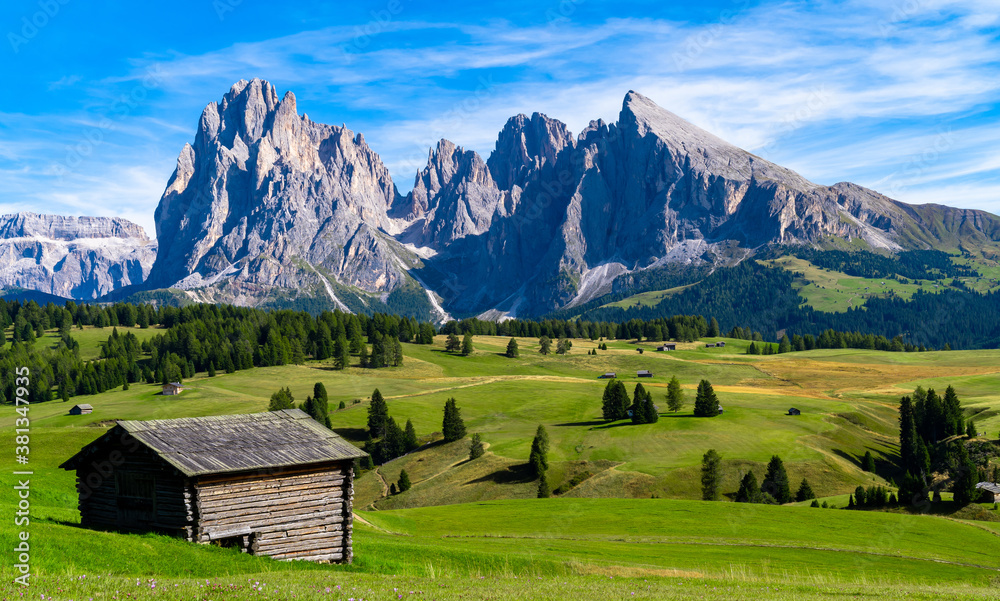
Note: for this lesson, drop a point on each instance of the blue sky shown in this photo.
(899, 95)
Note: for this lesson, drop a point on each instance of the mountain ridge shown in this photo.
(267, 206)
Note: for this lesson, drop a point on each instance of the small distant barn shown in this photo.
(794, 411)
(644, 373)
(277, 484)
(81, 409)
(990, 489)
(715, 345)
(172, 388)
(667, 347)
(608, 376)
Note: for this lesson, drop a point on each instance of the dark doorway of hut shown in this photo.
(243, 542)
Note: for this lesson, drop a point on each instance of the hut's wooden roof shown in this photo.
(82, 406)
(197, 446)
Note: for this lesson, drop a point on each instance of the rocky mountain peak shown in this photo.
(524, 145)
(453, 196)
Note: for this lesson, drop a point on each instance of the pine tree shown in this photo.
(607, 406)
(706, 404)
(404, 481)
(711, 464)
(342, 405)
(850, 501)
(954, 420)
(908, 437)
(805, 492)
(512, 351)
(675, 395)
(392, 489)
(410, 442)
(563, 346)
(378, 415)
(476, 449)
(638, 407)
(970, 429)
(341, 352)
(964, 485)
(775, 481)
(452, 427)
(785, 345)
(467, 344)
(538, 459)
(393, 443)
(544, 345)
(363, 356)
(211, 369)
(713, 329)
(649, 409)
(749, 491)
(322, 401)
(282, 399)
(452, 344)
(868, 463)
(752, 349)
(544, 492)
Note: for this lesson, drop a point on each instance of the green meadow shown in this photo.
(632, 528)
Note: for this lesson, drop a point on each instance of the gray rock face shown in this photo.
(652, 189)
(73, 257)
(268, 199)
(453, 196)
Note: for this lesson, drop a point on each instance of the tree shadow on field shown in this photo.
(596, 422)
(848, 456)
(515, 474)
(353, 434)
(677, 415)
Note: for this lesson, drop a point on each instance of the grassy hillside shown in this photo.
(647, 299)
(471, 529)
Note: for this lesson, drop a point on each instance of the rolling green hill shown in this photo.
(472, 528)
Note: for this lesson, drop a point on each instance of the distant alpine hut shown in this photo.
(277, 484)
(715, 345)
(81, 409)
(644, 373)
(172, 388)
(990, 490)
(667, 347)
(721, 344)
(794, 411)
(608, 376)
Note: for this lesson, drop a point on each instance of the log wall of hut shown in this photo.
(129, 488)
(292, 513)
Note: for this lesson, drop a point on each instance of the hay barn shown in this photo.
(277, 484)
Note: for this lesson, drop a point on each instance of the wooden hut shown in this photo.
(794, 411)
(608, 376)
(667, 347)
(644, 373)
(990, 491)
(276, 483)
(172, 388)
(81, 409)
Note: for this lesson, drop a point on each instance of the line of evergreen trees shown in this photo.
(931, 432)
(196, 338)
(764, 299)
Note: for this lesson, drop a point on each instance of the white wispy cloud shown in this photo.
(837, 90)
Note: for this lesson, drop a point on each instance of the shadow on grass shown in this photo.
(515, 474)
(353, 434)
(596, 422)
